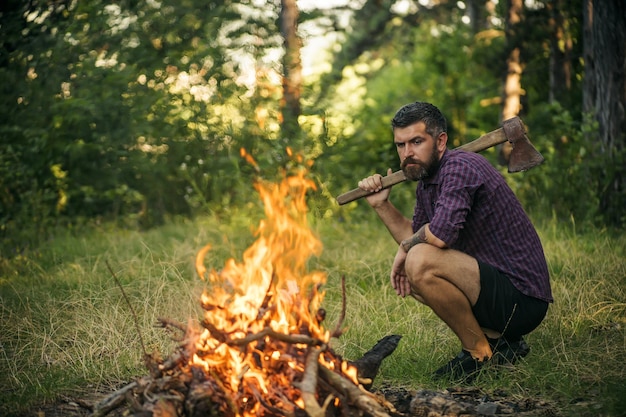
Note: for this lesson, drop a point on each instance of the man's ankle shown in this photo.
(481, 352)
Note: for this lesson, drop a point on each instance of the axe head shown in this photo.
(523, 154)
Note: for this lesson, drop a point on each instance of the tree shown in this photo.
(561, 47)
(478, 14)
(292, 69)
(605, 99)
(111, 109)
(512, 86)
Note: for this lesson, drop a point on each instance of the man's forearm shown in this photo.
(399, 226)
(419, 237)
(423, 235)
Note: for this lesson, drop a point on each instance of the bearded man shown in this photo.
(470, 252)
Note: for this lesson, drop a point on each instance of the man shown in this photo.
(470, 252)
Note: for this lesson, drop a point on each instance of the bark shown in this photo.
(292, 69)
(478, 14)
(512, 90)
(560, 53)
(604, 98)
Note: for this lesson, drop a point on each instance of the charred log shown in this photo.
(369, 364)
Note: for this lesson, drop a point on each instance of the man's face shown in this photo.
(419, 152)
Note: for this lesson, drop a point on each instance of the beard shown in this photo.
(415, 170)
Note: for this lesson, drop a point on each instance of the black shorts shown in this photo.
(503, 308)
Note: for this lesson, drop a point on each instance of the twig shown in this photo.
(229, 400)
(215, 332)
(113, 401)
(275, 411)
(338, 331)
(222, 337)
(165, 323)
(177, 358)
(268, 331)
(132, 310)
(263, 308)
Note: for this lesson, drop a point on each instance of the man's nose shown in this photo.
(407, 151)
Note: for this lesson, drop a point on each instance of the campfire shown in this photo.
(261, 348)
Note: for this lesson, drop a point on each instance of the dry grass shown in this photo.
(66, 327)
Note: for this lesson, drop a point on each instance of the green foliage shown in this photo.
(444, 62)
(566, 183)
(411, 70)
(137, 111)
(127, 111)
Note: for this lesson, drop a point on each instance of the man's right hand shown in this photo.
(399, 279)
(374, 184)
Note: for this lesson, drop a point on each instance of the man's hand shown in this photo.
(374, 184)
(399, 279)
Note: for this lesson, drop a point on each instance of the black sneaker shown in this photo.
(463, 367)
(507, 352)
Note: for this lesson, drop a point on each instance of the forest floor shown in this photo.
(457, 401)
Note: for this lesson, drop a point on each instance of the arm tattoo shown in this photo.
(418, 237)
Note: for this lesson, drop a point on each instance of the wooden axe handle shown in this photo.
(486, 141)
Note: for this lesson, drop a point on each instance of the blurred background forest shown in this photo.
(138, 112)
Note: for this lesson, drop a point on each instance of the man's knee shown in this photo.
(421, 263)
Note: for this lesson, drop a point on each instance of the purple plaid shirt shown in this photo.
(472, 209)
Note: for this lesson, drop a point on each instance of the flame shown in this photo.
(268, 293)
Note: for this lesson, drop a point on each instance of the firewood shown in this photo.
(308, 385)
(176, 387)
(369, 364)
(364, 400)
(291, 412)
(268, 331)
(113, 401)
(202, 399)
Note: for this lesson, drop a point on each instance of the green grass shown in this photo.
(65, 327)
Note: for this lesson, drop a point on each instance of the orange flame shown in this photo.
(268, 293)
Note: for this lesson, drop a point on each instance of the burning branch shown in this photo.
(308, 386)
(268, 331)
(362, 399)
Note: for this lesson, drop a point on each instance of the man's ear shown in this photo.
(442, 141)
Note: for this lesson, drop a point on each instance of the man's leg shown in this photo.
(448, 281)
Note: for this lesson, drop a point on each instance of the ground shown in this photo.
(458, 401)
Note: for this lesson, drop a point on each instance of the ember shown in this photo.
(261, 348)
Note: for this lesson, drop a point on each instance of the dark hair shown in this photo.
(421, 112)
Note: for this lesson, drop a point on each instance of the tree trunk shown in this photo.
(292, 69)
(512, 90)
(478, 14)
(604, 97)
(560, 54)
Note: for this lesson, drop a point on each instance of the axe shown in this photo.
(523, 155)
